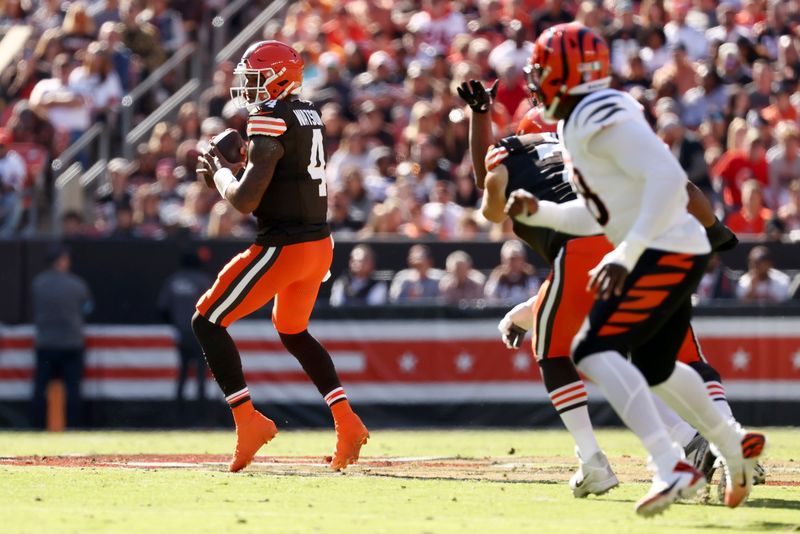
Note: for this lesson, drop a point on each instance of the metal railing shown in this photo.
(67, 194)
(169, 106)
(246, 35)
(99, 132)
(129, 101)
(221, 23)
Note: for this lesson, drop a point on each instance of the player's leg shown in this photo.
(45, 371)
(692, 355)
(560, 306)
(293, 307)
(200, 371)
(612, 328)
(184, 352)
(666, 291)
(73, 368)
(679, 430)
(697, 451)
(247, 283)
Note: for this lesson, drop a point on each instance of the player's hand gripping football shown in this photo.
(213, 160)
(476, 96)
(607, 279)
(522, 203)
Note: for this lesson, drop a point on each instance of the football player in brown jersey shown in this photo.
(283, 186)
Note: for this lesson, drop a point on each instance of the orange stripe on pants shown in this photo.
(690, 348)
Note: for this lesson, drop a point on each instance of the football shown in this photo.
(230, 144)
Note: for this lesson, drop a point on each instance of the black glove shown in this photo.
(514, 336)
(475, 95)
(721, 237)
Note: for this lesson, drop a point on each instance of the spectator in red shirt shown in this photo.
(512, 90)
(753, 216)
(728, 169)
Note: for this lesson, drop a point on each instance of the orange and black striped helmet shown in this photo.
(567, 59)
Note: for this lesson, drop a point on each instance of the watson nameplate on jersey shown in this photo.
(308, 117)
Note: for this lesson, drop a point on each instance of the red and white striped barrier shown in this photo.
(395, 362)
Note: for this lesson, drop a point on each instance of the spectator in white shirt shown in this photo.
(784, 163)
(98, 78)
(727, 31)
(438, 22)
(677, 31)
(441, 214)
(12, 176)
(762, 284)
(515, 49)
(68, 108)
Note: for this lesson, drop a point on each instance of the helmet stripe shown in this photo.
(565, 64)
(581, 34)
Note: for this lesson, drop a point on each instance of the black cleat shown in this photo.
(698, 453)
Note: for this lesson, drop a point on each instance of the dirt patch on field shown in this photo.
(553, 469)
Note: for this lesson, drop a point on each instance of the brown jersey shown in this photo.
(294, 207)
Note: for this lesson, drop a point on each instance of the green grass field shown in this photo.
(468, 481)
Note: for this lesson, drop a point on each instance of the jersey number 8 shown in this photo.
(593, 202)
(316, 167)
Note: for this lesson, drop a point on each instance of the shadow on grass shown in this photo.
(783, 504)
(754, 526)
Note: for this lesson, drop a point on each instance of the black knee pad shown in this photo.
(706, 372)
(655, 369)
(558, 372)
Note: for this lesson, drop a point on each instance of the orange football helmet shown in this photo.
(269, 70)
(533, 122)
(567, 59)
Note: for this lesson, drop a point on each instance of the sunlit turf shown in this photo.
(54, 499)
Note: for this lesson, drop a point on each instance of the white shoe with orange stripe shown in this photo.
(739, 478)
(594, 476)
(683, 482)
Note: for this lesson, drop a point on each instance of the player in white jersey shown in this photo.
(635, 192)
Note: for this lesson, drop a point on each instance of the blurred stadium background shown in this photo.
(105, 104)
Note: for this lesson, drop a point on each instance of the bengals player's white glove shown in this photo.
(516, 323)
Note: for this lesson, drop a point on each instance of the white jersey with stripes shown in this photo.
(628, 178)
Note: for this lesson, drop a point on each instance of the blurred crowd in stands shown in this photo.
(515, 280)
(717, 80)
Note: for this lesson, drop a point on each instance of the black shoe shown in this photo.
(699, 454)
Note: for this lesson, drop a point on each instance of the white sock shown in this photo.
(626, 390)
(570, 403)
(679, 430)
(580, 427)
(716, 392)
(685, 393)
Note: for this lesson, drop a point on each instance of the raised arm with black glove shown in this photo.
(480, 125)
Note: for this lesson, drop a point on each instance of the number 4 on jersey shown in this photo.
(316, 168)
